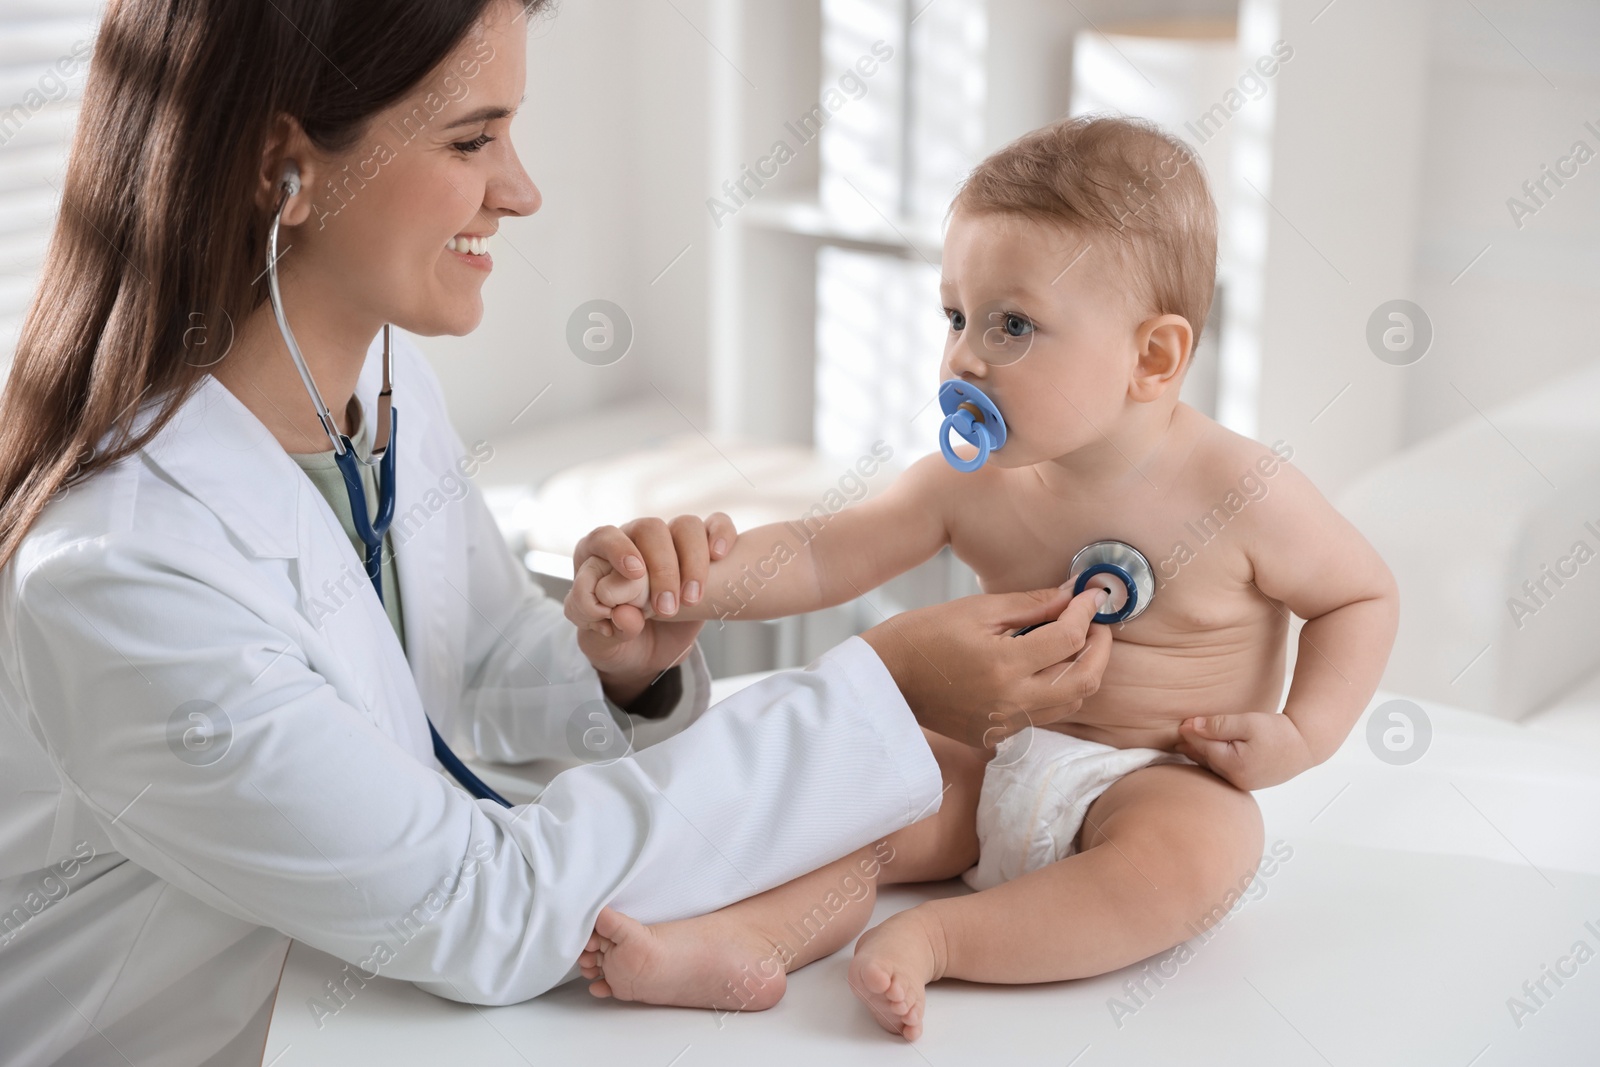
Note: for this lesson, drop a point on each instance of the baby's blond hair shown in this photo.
(1117, 178)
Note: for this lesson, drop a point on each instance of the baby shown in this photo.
(1078, 270)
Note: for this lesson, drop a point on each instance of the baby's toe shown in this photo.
(611, 925)
(874, 977)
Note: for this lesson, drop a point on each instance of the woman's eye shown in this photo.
(958, 321)
(474, 144)
(1017, 326)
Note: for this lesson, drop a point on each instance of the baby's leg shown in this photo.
(737, 958)
(1160, 850)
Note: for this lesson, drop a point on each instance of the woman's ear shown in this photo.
(1164, 344)
(287, 142)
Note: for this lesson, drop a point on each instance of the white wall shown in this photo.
(1508, 92)
(1401, 131)
(1341, 228)
(614, 134)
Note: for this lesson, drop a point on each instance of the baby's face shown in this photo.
(1041, 322)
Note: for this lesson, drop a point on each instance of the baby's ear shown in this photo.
(1164, 343)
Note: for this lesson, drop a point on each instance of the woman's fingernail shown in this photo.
(666, 603)
(1102, 598)
(1200, 722)
(719, 547)
(691, 593)
(634, 564)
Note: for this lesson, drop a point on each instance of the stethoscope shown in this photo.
(1122, 570)
(370, 530)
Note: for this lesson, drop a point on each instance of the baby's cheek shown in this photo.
(1037, 424)
(1070, 417)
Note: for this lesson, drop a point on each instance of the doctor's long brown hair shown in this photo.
(159, 231)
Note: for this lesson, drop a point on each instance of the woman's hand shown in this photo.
(628, 665)
(966, 677)
(628, 583)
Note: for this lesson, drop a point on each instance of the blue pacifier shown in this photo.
(975, 420)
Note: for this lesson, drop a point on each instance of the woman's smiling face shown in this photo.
(433, 173)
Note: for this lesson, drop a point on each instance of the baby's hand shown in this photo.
(1253, 750)
(648, 567)
(599, 587)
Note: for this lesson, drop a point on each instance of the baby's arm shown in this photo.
(817, 560)
(1307, 555)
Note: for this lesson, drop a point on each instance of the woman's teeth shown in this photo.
(472, 246)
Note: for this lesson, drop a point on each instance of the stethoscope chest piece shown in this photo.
(974, 418)
(1121, 570)
(1124, 573)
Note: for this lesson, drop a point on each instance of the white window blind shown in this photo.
(891, 161)
(45, 47)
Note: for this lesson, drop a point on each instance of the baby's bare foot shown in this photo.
(697, 963)
(893, 964)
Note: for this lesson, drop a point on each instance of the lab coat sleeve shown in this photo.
(174, 701)
(530, 693)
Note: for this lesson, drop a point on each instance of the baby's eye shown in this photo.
(958, 321)
(1017, 326)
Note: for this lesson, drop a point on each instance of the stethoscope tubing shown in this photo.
(370, 529)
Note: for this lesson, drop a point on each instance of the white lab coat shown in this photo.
(147, 893)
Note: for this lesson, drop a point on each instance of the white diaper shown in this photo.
(1036, 791)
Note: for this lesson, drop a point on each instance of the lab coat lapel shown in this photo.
(221, 454)
(217, 450)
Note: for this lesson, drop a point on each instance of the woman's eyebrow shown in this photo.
(485, 114)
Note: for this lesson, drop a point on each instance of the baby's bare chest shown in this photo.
(1198, 554)
(1210, 640)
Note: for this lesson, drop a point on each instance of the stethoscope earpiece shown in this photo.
(290, 182)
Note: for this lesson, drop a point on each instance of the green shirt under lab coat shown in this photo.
(323, 470)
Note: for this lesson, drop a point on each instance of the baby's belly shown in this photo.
(1148, 689)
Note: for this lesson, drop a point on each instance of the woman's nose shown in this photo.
(512, 192)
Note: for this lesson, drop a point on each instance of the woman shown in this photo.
(214, 735)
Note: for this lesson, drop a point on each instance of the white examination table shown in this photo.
(1417, 901)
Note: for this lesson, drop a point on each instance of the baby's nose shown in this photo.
(962, 362)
